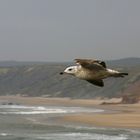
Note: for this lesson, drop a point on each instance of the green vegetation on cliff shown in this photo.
(43, 79)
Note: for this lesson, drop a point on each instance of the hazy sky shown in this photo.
(61, 30)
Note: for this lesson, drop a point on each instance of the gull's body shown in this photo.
(94, 71)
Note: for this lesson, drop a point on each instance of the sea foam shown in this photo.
(30, 110)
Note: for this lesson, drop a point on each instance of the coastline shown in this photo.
(115, 115)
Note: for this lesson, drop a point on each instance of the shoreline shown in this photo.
(115, 115)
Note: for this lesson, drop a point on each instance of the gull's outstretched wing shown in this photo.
(99, 83)
(91, 64)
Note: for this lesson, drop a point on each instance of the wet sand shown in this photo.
(115, 115)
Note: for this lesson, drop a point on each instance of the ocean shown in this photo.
(19, 122)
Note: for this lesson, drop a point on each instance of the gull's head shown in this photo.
(70, 70)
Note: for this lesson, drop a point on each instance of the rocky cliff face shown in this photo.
(43, 79)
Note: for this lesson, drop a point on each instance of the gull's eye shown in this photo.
(70, 69)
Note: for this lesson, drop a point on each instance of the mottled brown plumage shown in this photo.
(93, 71)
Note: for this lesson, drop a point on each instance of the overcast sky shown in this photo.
(61, 30)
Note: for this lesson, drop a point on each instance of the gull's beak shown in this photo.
(61, 73)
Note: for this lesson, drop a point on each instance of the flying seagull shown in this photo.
(93, 71)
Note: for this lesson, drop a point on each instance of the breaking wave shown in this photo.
(84, 136)
(27, 110)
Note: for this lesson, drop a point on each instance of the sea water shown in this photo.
(18, 122)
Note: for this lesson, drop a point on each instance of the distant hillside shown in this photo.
(129, 62)
(134, 61)
(43, 79)
(18, 63)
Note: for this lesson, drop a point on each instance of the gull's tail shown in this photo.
(120, 74)
(115, 73)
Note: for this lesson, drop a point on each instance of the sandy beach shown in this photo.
(115, 115)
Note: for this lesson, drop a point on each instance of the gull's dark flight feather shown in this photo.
(96, 82)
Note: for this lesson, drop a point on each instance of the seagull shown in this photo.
(93, 71)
